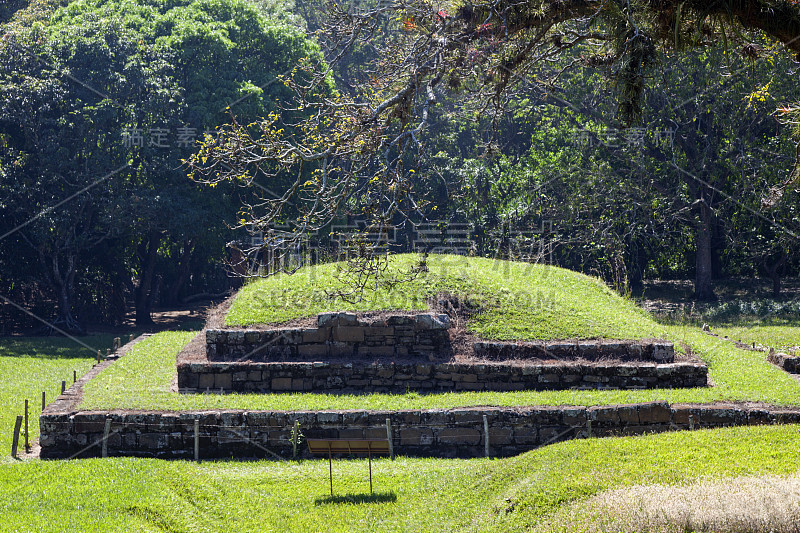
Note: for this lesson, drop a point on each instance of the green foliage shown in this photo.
(115, 66)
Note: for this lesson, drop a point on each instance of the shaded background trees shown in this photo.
(517, 126)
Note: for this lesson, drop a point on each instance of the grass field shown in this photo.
(506, 495)
(552, 488)
(779, 337)
(31, 365)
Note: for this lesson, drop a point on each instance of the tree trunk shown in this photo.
(147, 254)
(61, 279)
(184, 269)
(774, 273)
(703, 281)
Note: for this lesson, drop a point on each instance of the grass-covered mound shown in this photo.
(513, 300)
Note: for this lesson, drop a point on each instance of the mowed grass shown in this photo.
(30, 365)
(779, 337)
(507, 495)
(514, 300)
(143, 379)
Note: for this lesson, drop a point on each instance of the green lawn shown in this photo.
(515, 300)
(31, 365)
(143, 378)
(778, 337)
(509, 495)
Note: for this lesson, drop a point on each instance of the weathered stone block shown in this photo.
(348, 334)
(317, 335)
(279, 384)
(223, 380)
(459, 436)
(416, 437)
(313, 350)
(655, 413)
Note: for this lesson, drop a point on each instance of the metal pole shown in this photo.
(369, 454)
(330, 467)
(27, 443)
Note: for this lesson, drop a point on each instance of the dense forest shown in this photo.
(111, 110)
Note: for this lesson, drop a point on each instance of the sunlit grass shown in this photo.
(508, 495)
(779, 337)
(30, 365)
(515, 300)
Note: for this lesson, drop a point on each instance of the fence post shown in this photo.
(130, 337)
(15, 440)
(99, 356)
(63, 386)
(27, 442)
(691, 422)
(295, 436)
(197, 440)
(106, 431)
(486, 435)
(44, 400)
(74, 376)
(588, 429)
(389, 437)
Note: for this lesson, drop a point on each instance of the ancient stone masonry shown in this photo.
(787, 362)
(346, 353)
(337, 335)
(433, 377)
(457, 432)
(656, 351)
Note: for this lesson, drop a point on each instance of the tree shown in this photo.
(63, 169)
(133, 77)
(366, 147)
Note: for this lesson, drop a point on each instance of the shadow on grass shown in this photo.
(55, 347)
(375, 497)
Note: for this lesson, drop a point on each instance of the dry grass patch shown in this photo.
(736, 505)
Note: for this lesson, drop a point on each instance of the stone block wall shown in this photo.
(337, 335)
(787, 362)
(438, 432)
(433, 377)
(658, 351)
